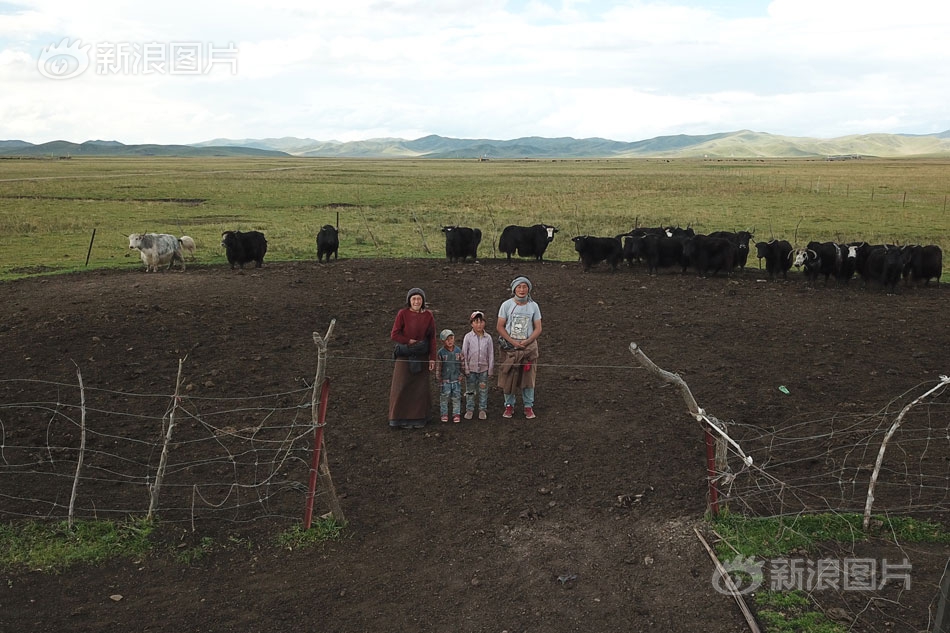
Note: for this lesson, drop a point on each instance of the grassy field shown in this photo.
(395, 208)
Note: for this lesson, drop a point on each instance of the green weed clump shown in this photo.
(325, 529)
(792, 612)
(768, 537)
(762, 538)
(54, 546)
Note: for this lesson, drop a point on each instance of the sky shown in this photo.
(185, 72)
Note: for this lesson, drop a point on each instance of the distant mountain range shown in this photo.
(741, 144)
(62, 149)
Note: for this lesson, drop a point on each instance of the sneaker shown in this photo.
(444, 418)
(469, 414)
(482, 415)
(456, 418)
(509, 411)
(529, 413)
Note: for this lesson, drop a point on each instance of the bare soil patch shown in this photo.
(482, 526)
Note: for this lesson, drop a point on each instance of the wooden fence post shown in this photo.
(163, 460)
(318, 413)
(494, 230)
(715, 430)
(91, 240)
(82, 448)
(944, 381)
(421, 233)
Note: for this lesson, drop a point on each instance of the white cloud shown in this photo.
(499, 69)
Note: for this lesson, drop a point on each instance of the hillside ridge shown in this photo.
(737, 144)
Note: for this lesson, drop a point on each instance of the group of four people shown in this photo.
(417, 356)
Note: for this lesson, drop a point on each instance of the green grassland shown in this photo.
(395, 208)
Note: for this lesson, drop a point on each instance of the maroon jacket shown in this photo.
(415, 325)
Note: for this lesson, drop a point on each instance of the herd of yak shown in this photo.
(660, 247)
(719, 251)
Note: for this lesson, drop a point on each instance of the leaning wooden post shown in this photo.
(421, 233)
(163, 461)
(670, 377)
(730, 585)
(944, 381)
(318, 413)
(711, 471)
(494, 229)
(82, 448)
(91, 240)
(715, 442)
(332, 499)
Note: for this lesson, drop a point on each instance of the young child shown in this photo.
(478, 354)
(448, 371)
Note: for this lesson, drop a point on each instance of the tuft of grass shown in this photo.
(766, 537)
(791, 612)
(55, 546)
(200, 551)
(321, 530)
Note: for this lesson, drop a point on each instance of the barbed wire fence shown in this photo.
(839, 463)
(892, 462)
(104, 454)
(99, 453)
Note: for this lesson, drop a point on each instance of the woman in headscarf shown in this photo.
(519, 326)
(414, 334)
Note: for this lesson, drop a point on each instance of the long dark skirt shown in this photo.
(410, 398)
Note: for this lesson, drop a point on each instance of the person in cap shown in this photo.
(518, 327)
(410, 398)
(478, 363)
(448, 374)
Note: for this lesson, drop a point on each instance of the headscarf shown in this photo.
(521, 280)
(416, 291)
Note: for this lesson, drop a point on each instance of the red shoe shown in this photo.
(509, 411)
(444, 418)
(529, 413)
(456, 418)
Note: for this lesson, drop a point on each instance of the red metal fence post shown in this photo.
(317, 444)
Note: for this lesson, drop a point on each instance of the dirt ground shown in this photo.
(501, 525)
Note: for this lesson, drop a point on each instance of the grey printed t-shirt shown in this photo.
(519, 318)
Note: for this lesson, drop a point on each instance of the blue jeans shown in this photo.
(527, 395)
(450, 390)
(476, 382)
